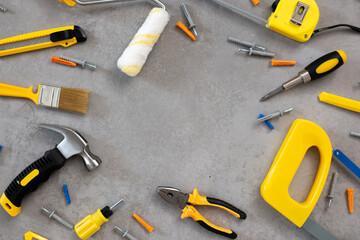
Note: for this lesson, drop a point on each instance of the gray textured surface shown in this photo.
(188, 120)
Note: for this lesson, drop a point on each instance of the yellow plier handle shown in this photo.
(190, 211)
(63, 36)
(196, 199)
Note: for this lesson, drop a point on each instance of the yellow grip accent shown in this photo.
(341, 102)
(90, 225)
(71, 3)
(196, 199)
(327, 66)
(29, 177)
(15, 91)
(190, 211)
(33, 236)
(302, 135)
(9, 207)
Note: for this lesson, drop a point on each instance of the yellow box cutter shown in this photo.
(186, 201)
(62, 36)
(302, 135)
(295, 19)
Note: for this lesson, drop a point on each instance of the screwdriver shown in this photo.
(317, 69)
(91, 224)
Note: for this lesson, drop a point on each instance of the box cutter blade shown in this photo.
(186, 201)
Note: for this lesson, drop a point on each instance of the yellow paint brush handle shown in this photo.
(339, 101)
(15, 91)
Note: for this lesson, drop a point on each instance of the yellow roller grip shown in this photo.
(9, 206)
(339, 101)
(90, 225)
(196, 199)
(190, 211)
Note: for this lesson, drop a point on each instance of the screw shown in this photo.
(279, 113)
(248, 44)
(189, 19)
(332, 187)
(3, 9)
(267, 121)
(354, 134)
(256, 52)
(51, 214)
(115, 204)
(125, 234)
(82, 63)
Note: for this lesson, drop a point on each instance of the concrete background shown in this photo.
(187, 120)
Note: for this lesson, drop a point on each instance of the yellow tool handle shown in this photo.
(38, 34)
(326, 64)
(15, 91)
(196, 199)
(33, 236)
(338, 101)
(90, 225)
(71, 3)
(190, 211)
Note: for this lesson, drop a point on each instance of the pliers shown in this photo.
(186, 201)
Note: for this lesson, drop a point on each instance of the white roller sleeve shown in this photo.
(135, 55)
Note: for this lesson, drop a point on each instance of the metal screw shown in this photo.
(51, 214)
(256, 52)
(189, 19)
(116, 204)
(3, 9)
(248, 44)
(354, 134)
(332, 187)
(126, 234)
(82, 63)
(279, 113)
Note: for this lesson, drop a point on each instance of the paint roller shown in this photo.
(134, 57)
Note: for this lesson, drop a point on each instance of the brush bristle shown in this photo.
(74, 100)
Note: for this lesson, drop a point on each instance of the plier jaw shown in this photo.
(186, 202)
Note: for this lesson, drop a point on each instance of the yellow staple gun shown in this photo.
(295, 19)
(63, 36)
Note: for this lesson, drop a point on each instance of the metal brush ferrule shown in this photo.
(49, 96)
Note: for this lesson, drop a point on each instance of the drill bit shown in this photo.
(332, 187)
(315, 70)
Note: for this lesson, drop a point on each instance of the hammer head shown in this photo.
(74, 144)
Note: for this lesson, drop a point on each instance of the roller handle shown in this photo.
(29, 180)
(326, 64)
(226, 206)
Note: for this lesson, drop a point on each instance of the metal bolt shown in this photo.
(332, 187)
(82, 63)
(3, 9)
(256, 52)
(51, 214)
(248, 44)
(354, 134)
(126, 234)
(279, 113)
(189, 19)
(116, 204)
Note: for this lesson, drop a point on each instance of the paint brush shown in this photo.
(68, 99)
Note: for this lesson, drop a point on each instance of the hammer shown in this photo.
(40, 170)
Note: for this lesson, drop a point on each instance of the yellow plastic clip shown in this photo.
(33, 236)
(302, 135)
(71, 3)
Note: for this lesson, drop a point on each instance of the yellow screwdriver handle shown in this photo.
(15, 91)
(326, 64)
(90, 225)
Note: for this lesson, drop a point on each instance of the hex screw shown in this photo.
(256, 52)
(247, 44)
(125, 233)
(332, 187)
(189, 19)
(3, 9)
(354, 134)
(279, 113)
(82, 63)
(52, 214)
